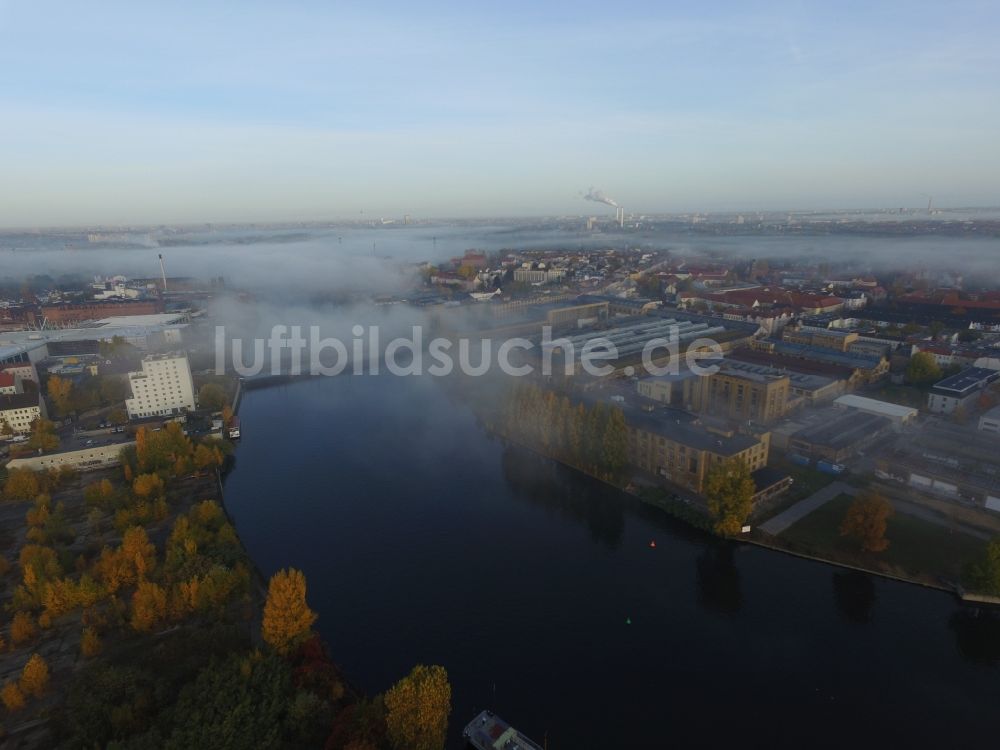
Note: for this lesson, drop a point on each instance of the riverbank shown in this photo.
(697, 515)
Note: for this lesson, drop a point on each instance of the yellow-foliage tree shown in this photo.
(35, 676)
(138, 551)
(867, 520)
(61, 393)
(287, 617)
(417, 709)
(22, 628)
(149, 606)
(90, 643)
(729, 488)
(147, 486)
(12, 697)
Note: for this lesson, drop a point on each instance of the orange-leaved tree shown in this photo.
(287, 617)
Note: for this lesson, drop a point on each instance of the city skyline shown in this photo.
(128, 115)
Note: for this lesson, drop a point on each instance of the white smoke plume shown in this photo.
(598, 196)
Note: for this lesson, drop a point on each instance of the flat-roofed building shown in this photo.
(682, 452)
(990, 421)
(899, 414)
(960, 391)
(838, 438)
(740, 393)
(164, 386)
(673, 389)
(825, 338)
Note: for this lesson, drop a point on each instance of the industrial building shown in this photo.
(960, 391)
(950, 461)
(142, 331)
(864, 369)
(743, 394)
(671, 445)
(990, 421)
(897, 413)
(825, 338)
(837, 435)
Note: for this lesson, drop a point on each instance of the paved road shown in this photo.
(800, 510)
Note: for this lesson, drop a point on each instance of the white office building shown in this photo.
(163, 386)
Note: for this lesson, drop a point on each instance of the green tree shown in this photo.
(237, 703)
(287, 617)
(113, 389)
(615, 448)
(729, 489)
(983, 575)
(923, 369)
(417, 709)
(867, 520)
(211, 396)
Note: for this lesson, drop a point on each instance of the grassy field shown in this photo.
(806, 481)
(916, 547)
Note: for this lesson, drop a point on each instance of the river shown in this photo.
(425, 541)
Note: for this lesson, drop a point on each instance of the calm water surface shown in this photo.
(424, 541)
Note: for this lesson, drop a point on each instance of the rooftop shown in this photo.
(885, 407)
(18, 401)
(969, 379)
(686, 432)
(843, 431)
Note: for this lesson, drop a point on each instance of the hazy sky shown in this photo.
(208, 111)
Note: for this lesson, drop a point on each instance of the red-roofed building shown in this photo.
(8, 384)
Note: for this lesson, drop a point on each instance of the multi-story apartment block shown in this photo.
(163, 386)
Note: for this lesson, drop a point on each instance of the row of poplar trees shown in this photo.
(594, 438)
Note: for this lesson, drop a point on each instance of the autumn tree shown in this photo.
(729, 490)
(21, 484)
(417, 709)
(287, 617)
(12, 697)
(149, 606)
(147, 486)
(90, 643)
(866, 521)
(5, 429)
(60, 391)
(138, 551)
(923, 369)
(35, 676)
(43, 436)
(22, 628)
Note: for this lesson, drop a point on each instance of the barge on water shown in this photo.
(489, 732)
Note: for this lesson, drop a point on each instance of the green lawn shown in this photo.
(916, 546)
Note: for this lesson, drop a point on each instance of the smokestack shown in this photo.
(621, 217)
(163, 273)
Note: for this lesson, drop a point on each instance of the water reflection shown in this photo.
(550, 485)
(977, 634)
(854, 593)
(719, 589)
